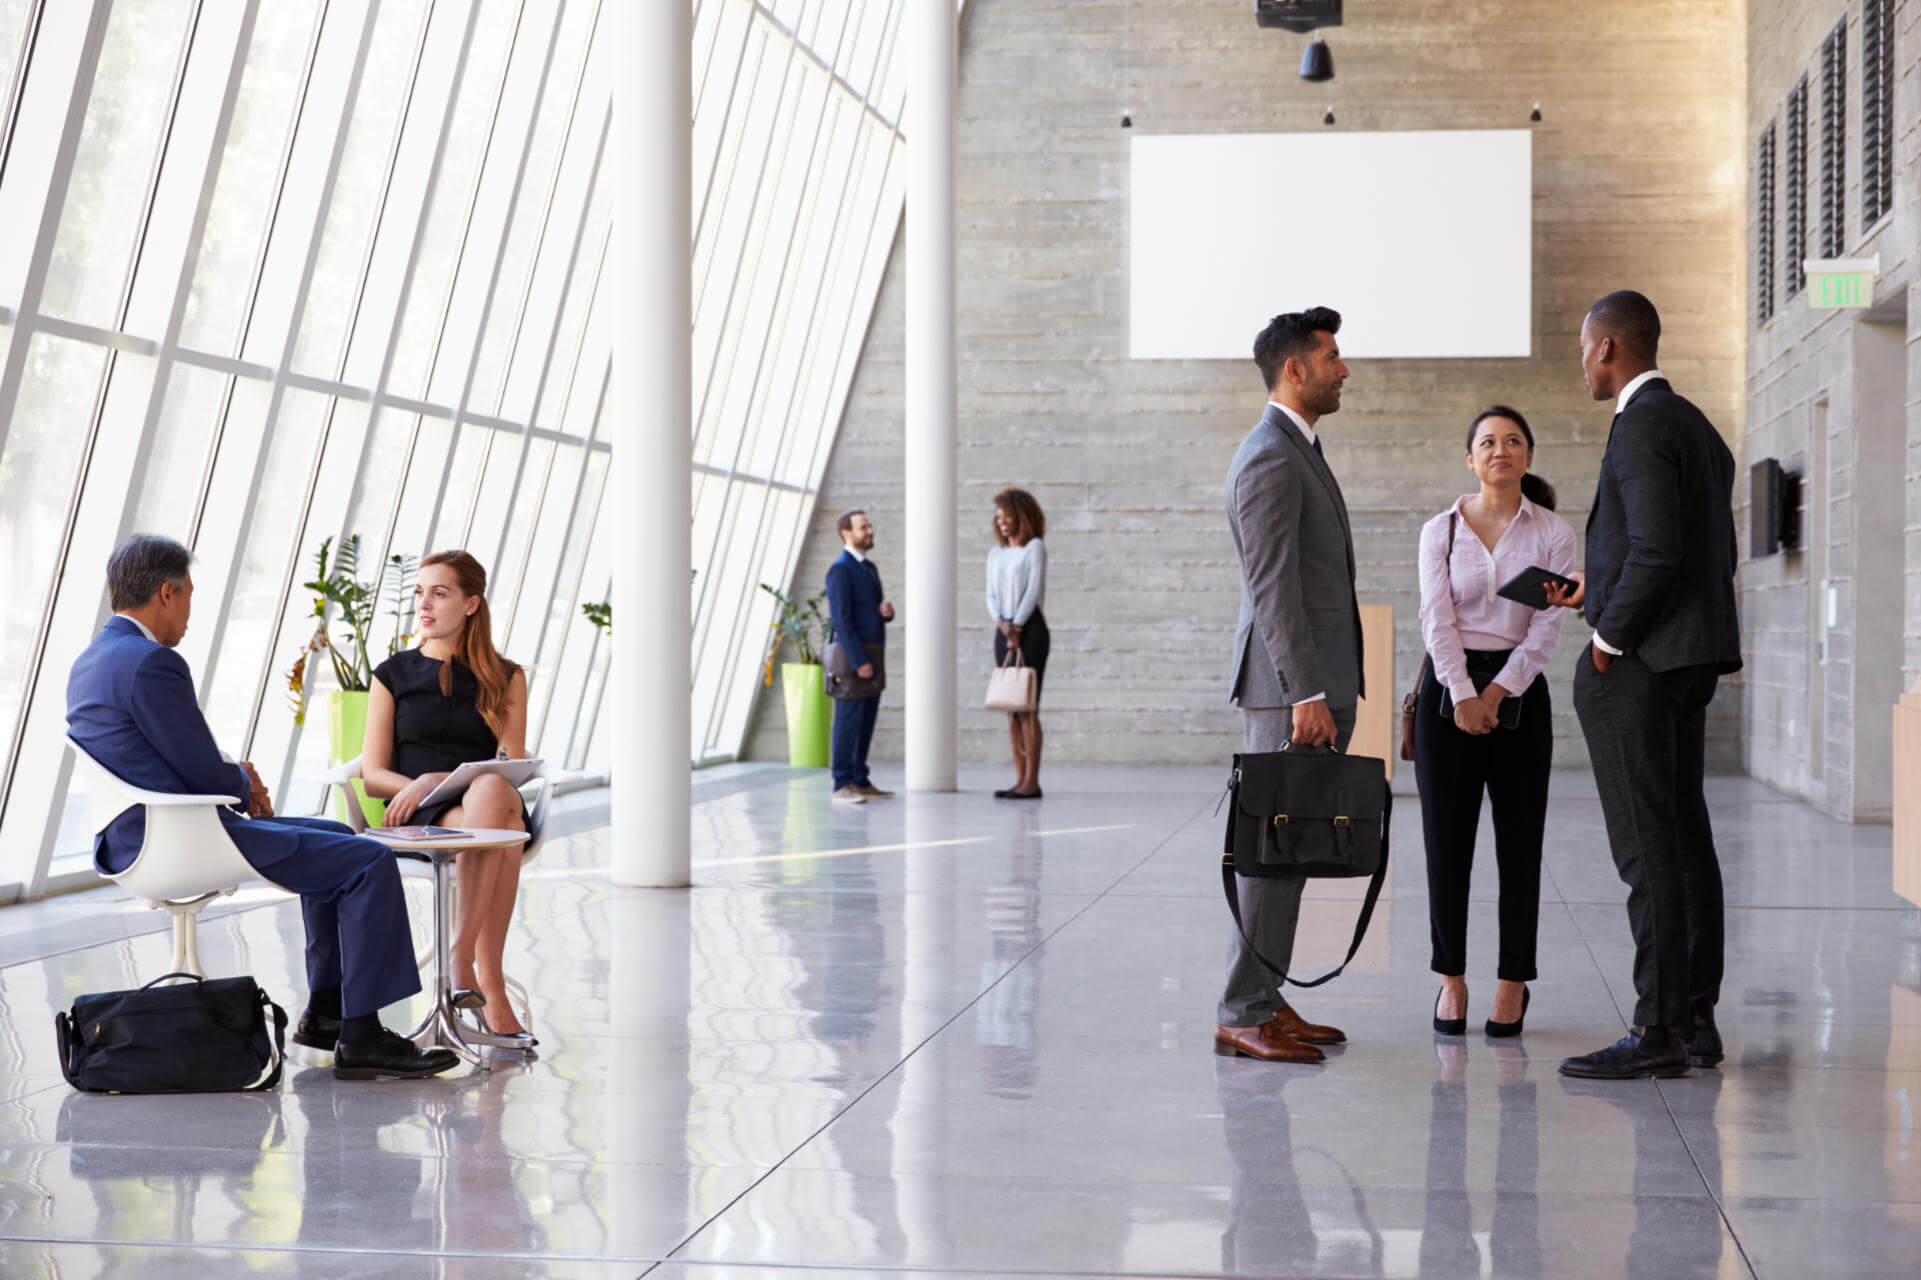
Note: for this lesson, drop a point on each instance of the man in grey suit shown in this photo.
(1297, 655)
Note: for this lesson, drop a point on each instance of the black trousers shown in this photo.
(1453, 769)
(1647, 734)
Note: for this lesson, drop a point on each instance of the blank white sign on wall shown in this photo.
(1423, 241)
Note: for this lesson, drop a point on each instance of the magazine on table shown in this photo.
(417, 833)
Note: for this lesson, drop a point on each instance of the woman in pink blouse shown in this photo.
(1484, 722)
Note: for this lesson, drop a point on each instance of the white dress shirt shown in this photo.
(1312, 440)
(1620, 407)
(1461, 607)
(143, 626)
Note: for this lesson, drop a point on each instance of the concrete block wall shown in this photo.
(1639, 181)
(1834, 395)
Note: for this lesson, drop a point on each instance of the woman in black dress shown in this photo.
(432, 709)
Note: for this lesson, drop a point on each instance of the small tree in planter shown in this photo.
(337, 585)
(810, 712)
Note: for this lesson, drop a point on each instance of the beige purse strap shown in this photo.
(1015, 654)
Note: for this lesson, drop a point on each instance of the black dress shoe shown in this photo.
(317, 1031)
(1448, 1026)
(1704, 1044)
(391, 1055)
(1023, 795)
(1661, 1055)
(1502, 1030)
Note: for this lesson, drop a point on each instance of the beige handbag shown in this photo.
(1013, 688)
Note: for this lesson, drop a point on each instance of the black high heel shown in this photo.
(1501, 1030)
(1448, 1026)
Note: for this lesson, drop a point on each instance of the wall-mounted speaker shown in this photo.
(1774, 509)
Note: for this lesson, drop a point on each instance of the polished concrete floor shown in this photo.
(952, 1037)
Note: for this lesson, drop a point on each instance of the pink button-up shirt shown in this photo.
(1460, 605)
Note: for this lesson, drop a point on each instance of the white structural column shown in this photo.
(650, 484)
(932, 70)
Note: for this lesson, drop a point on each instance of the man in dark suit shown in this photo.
(1297, 650)
(858, 611)
(131, 705)
(1659, 593)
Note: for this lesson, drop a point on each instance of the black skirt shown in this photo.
(1035, 642)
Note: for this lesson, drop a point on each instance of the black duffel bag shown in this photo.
(198, 1037)
(1313, 814)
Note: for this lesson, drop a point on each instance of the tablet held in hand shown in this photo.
(1529, 586)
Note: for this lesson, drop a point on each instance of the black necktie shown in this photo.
(1319, 450)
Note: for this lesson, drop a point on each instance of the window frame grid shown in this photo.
(297, 314)
(833, 258)
(540, 658)
(463, 412)
(553, 336)
(1878, 75)
(1834, 130)
(273, 381)
(1796, 188)
(25, 328)
(1764, 224)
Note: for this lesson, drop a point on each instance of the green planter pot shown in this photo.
(346, 732)
(810, 714)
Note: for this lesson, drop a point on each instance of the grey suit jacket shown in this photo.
(1300, 626)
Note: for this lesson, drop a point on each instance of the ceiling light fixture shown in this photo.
(1317, 62)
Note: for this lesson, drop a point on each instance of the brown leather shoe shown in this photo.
(1294, 1026)
(1266, 1042)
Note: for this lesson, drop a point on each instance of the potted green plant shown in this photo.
(810, 712)
(337, 585)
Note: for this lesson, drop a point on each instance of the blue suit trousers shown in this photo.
(853, 735)
(356, 914)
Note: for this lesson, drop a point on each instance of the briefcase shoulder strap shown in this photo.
(277, 1042)
(1229, 876)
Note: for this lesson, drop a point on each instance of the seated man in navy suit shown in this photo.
(131, 704)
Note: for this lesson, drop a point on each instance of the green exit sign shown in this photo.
(1841, 283)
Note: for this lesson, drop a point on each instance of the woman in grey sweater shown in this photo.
(1016, 583)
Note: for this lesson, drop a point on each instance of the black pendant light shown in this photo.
(1317, 62)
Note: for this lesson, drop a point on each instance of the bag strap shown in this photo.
(1447, 564)
(276, 1043)
(168, 977)
(1228, 874)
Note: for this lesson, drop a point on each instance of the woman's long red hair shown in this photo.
(475, 648)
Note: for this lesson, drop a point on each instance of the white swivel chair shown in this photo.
(341, 781)
(186, 861)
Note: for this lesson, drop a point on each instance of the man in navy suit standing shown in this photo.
(131, 705)
(858, 611)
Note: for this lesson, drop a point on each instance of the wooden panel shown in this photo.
(1377, 726)
(1907, 798)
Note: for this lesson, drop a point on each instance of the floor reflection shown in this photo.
(1449, 1245)
(1011, 977)
(169, 1192)
(472, 1200)
(946, 1034)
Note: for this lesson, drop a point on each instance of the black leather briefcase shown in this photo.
(198, 1037)
(1316, 814)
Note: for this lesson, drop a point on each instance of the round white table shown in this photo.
(440, 1029)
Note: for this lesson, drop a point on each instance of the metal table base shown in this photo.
(441, 1028)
